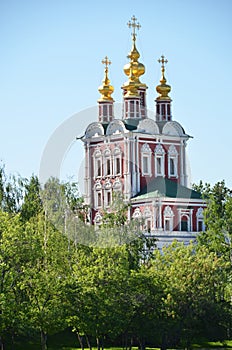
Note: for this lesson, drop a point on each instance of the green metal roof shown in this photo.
(162, 187)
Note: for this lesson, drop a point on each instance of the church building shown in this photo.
(143, 158)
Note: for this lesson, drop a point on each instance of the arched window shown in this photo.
(98, 194)
(168, 219)
(159, 160)
(97, 164)
(146, 160)
(172, 162)
(117, 164)
(107, 193)
(107, 162)
(185, 219)
(147, 219)
(200, 220)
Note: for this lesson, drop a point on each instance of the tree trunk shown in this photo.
(80, 338)
(88, 342)
(1, 344)
(43, 340)
(98, 343)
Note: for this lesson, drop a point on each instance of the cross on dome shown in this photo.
(132, 24)
(162, 60)
(106, 62)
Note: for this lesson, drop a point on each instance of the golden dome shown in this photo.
(163, 89)
(134, 69)
(106, 89)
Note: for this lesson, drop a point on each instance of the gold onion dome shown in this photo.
(134, 69)
(106, 89)
(163, 89)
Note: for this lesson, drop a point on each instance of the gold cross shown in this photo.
(162, 60)
(106, 62)
(134, 25)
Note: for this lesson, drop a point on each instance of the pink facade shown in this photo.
(142, 158)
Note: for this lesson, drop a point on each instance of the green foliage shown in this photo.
(110, 283)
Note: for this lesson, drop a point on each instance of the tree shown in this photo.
(44, 277)
(98, 293)
(11, 191)
(193, 282)
(13, 255)
(32, 202)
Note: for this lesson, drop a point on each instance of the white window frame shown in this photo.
(97, 158)
(188, 214)
(200, 218)
(117, 155)
(107, 158)
(97, 191)
(173, 156)
(168, 217)
(159, 154)
(146, 154)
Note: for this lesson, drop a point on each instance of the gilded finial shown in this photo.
(134, 69)
(163, 89)
(106, 62)
(106, 89)
(132, 24)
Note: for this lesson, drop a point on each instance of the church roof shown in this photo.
(162, 187)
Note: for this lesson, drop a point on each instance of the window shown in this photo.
(99, 199)
(159, 160)
(97, 163)
(168, 218)
(98, 167)
(172, 161)
(145, 164)
(159, 165)
(146, 159)
(107, 162)
(107, 198)
(117, 161)
(118, 166)
(184, 223)
(108, 167)
(185, 219)
(200, 220)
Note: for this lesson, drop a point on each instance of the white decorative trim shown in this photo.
(98, 219)
(117, 186)
(146, 160)
(187, 213)
(168, 218)
(147, 212)
(159, 160)
(200, 219)
(172, 162)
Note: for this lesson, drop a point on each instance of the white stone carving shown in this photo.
(159, 149)
(137, 214)
(146, 148)
(172, 151)
(168, 212)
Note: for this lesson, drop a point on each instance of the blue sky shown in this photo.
(50, 70)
